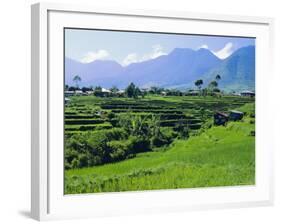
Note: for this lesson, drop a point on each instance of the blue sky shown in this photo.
(128, 47)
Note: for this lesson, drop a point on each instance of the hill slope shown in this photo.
(237, 71)
(95, 73)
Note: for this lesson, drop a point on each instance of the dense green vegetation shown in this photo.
(156, 142)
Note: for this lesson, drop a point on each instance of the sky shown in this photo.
(87, 46)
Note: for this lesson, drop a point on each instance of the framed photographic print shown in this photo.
(148, 111)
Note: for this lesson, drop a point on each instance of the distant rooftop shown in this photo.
(248, 91)
(236, 112)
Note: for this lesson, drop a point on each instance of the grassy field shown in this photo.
(211, 156)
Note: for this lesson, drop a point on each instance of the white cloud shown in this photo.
(130, 58)
(205, 46)
(157, 51)
(225, 51)
(94, 55)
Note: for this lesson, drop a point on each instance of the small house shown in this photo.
(69, 93)
(105, 92)
(220, 118)
(163, 93)
(235, 115)
(78, 92)
(120, 93)
(193, 93)
(90, 92)
(248, 93)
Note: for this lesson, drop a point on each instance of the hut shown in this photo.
(68, 93)
(248, 93)
(193, 93)
(235, 115)
(78, 92)
(120, 93)
(220, 118)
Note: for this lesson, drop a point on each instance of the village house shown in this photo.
(220, 118)
(193, 93)
(121, 92)
(104, 90)
(164, 93)
(69, 93)
(90, 92)
(235, 115)
(78, 92)
(247, 93)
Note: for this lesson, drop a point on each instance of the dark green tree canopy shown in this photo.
(199, 83)
(213, 84)
(132, 90)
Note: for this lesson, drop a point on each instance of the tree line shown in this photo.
(133, 91)
(211, 88)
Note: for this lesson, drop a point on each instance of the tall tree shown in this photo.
(137, 92)
(218, 77)
(77, 79)
(131, 90)
(98, 91)
(199, 83)
(213, 85)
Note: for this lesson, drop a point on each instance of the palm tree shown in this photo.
(199, 83)
(218, 77)
(213, 85)
(77, 79)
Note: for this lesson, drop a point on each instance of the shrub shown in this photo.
(168, 133)
(83, 160)
(114, 122)
(158, 141)
(182, 129)
(252, 122)
(119, 150)
(138, 144)
(75, 163)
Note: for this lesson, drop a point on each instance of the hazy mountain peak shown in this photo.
(179, 68)
(182, 51)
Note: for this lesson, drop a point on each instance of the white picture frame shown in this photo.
(47, 198)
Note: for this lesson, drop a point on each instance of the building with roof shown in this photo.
(247, 93)
(235, 115)
(220, 118)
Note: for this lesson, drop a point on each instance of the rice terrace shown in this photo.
(178, 118)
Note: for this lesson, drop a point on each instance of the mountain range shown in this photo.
(179, 69)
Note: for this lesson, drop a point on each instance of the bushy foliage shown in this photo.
(133, 134)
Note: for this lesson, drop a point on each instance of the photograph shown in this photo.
(157, 111)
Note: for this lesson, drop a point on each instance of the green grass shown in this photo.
(220, 156)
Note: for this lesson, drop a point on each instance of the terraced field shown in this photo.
(106, 149)
(91, 113)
